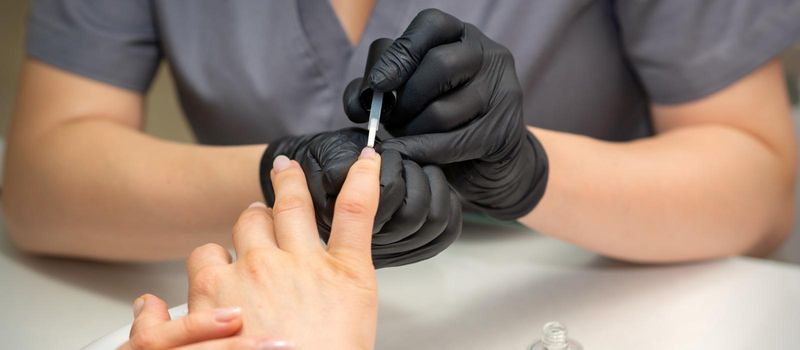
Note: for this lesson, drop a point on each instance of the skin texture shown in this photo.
(289, 287)
(715, 181)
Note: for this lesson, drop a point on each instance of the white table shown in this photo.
(493, 289)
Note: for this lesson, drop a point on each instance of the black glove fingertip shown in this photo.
(264, 169)
(351, 100)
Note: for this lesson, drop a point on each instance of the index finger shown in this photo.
(430, 28)
(293, 211)
(354, 213)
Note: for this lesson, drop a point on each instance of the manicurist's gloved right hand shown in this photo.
(418, 215)
(459, 105)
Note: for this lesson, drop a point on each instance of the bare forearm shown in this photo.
(96, 189)
(696, 193)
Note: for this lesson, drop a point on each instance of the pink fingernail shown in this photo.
(138, 305)
(367, 153)
(281, 163)
(225, 315)
(257, 205)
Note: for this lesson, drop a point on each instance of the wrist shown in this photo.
(534, 182)
(523, 184)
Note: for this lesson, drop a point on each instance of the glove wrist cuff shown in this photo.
(532, 183)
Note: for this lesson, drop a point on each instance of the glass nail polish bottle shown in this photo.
(554, 337)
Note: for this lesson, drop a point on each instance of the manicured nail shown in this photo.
(281, 163)
(225, 315)
(257, 205)
(138, 305)
(274, 345)
(367, 153)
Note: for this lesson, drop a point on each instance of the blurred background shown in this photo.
(165, 119)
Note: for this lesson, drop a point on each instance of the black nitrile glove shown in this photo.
(418, 215)
(459, 105)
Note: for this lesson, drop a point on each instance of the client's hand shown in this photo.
(287, 284)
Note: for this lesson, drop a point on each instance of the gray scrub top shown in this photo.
(253, 71)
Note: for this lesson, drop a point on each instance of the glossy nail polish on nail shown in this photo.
(367, 153)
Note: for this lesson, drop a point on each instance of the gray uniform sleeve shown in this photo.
(115, 42)
(683, 50)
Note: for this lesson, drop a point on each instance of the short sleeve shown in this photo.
(115, 42)
(683, 50)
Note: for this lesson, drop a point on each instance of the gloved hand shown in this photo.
(418, 215)
(459, 105)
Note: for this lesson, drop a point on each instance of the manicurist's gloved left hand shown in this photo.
(459, 105)
(418, 216)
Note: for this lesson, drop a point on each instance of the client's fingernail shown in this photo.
(367, 153)
(138, 305)
(281, 163)
(257, 205)
(274, 345)
(227, 314)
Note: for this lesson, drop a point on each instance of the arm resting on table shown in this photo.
(716, 180)
(83, 180)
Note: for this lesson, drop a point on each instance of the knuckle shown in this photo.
(347, 270)
(289, 203)
(350, 206)
(398, 53)
(362, 168)
(256, 263)
(251, 218)
(144, 340)
(441, 57)
(432, 16)
(443, 63)
(205, 249)
(436, 113)
(191, 325)
(205, 281)
(292, 176)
